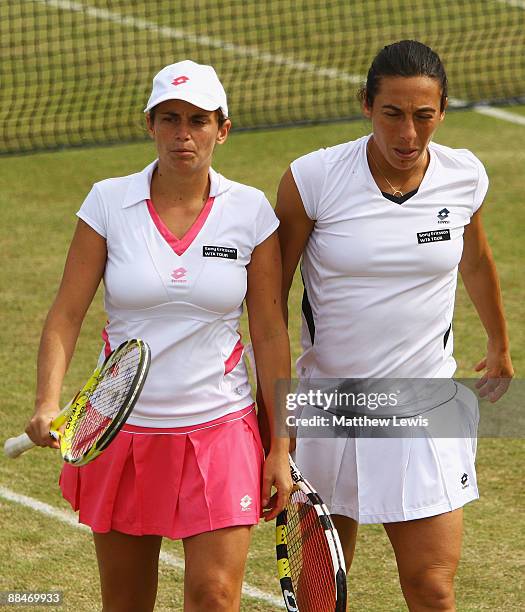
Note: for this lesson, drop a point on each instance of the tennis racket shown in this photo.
(310, 559)
(94, 416)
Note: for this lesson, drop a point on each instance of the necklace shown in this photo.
(397, 193)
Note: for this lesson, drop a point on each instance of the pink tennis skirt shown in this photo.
(174, 482)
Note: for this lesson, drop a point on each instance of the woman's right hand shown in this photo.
(276, 473)
(39, 426)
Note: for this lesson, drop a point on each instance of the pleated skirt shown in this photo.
(173, 482)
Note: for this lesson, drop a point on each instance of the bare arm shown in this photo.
(82, 273)
(480, 277)
(294, 229)
(272, 355)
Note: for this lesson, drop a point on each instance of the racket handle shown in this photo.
(16, 446)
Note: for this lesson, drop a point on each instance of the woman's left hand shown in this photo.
(499, 372)
(276, 473)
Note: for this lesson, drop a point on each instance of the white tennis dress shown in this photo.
(380, 281)
(184, 297)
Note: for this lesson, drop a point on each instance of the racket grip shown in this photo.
(16, 446)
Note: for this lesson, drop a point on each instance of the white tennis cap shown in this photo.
(194, 83)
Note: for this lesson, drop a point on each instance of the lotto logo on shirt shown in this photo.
(442, 215)
(179, 275)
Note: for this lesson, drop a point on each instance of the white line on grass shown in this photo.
(498, 113)
(71, 519)
(516, 3)
(205, 41)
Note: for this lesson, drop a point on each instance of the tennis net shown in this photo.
(78, 73)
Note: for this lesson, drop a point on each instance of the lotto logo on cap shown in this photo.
(180, 80)
(195, 83)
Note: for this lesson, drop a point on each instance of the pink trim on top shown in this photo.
(105, 337)
(179, 245)
(234, 358)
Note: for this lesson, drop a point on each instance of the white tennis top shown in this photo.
(184, 297)
(380, 278)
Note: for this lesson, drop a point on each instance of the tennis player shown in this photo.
(179, 248)
(382, 224)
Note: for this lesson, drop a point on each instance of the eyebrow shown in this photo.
(424, 109)
(193, 116)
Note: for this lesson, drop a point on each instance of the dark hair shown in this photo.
(221, 118)
(406, 58)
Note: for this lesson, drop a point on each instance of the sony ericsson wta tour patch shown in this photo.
(433, 236)
(219, 251)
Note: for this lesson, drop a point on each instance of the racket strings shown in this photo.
(309, 555)
(104, 402)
